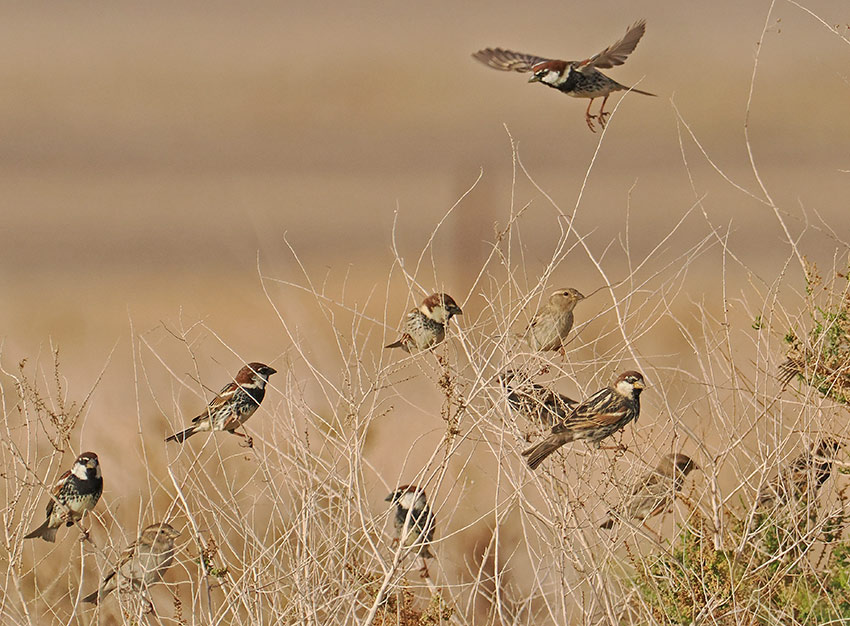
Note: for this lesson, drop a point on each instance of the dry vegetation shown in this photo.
(296, 530)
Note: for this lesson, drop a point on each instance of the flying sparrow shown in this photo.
(801, 481)
(142, 564)
(536, 402)
(74, 494)
(601, 415)
(235, 403)
(425, 327)
(579, 79)
(551, 324)
(655, 491)
(413, 522)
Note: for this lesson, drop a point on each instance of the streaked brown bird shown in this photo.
(425, 326)
(235, 403)
(655, 491)
(552, 323)
(414, 522)
(608, 410)
(535, 402)
(142, 563)
(75, 493)
(799, 482)
(579, 79)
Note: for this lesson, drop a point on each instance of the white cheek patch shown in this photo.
(551, 78)
(79, 471)
(625, 388)
(409, 499)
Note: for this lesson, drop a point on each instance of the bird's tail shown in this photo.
(182, 436)
(92, 597)
(645, 93)
(537, 453)
(395, 344)
(44, 531)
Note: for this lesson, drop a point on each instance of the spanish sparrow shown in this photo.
(601, 415)
(142, 564)
(235, 403)
(425, 327)
(536, 402)
(413, 522)
(74, 494)
(801, 481)
(655, 491)
(579, 79)
(550, 326)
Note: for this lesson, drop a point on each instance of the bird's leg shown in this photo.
(249, 441)
(424, 571)
(602, 113)
(394, 543)
(588, 117)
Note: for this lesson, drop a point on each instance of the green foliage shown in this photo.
(784, 569)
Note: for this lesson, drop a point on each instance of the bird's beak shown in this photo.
(389, 498)
(638, 385)
(534, 78)
(457, 311)
(271, 371)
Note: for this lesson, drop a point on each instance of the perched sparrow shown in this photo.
(550, 326)
(601, 415)
(579, 79)
(425, 327)
(235, 403)
(655, 491)
(413, 522)
(74, 494)
(801, 481)
(536, 402)
(142, 564)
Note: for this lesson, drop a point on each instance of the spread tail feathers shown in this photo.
(43, 531)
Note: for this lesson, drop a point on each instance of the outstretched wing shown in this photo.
(616, 53)
(507, 60)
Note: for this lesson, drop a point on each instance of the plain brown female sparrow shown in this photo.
(74, 494)
(601, 415)
(142, 564)
(425, 326)
(579, 79)
(655, 491)
(551, 324)
(235, 403)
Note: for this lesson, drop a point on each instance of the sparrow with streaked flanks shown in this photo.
(579, 79)
(601, 415)
(551, 324)
(142, 564)
(536, 402)
(800, 482)
(74, 494)
(413, 522)
(655, 491)
(235, 403)
(425, 326)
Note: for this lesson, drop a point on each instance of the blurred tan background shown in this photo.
(152, 154)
